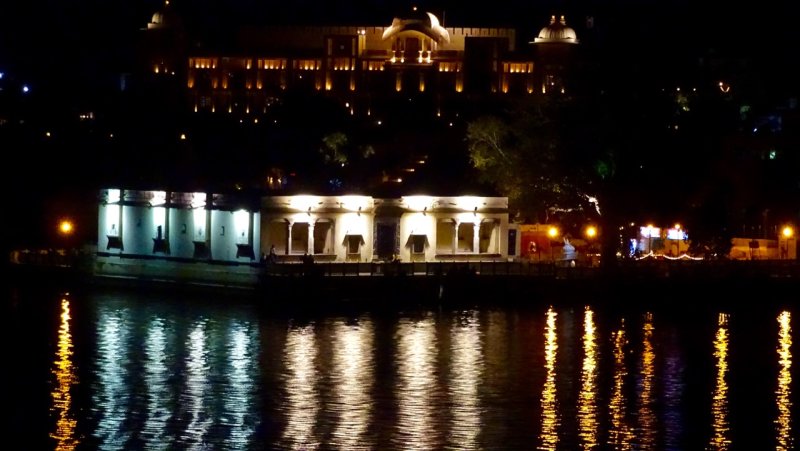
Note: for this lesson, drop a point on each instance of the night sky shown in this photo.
(79, 48)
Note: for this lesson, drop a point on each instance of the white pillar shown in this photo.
(455, 237)
(310, 238)
(289, 238)
(476, 237)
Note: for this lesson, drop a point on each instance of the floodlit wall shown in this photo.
(146, 224)
(332, 228)
(320, 225)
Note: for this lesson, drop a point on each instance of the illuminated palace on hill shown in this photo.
(357, 64)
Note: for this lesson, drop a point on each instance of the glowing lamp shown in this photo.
(65, 227)
(787, 232)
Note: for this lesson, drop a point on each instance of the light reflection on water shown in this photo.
(111, 393)
(466, 374)
(64, 432)
(352, 379)
(155, 377)
(783, 394)
(720, 439)
(645, 429)
(550, 415)
(302, 397)
(195, 399)
(620, 433)
(240, 386)
(587, 409)
(416, 384)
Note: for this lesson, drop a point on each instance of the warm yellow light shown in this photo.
(677, 226)
(591, 231)
(552, 232)
(787, 232)
(65, 227)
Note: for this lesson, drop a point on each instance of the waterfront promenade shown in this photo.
(441, 280)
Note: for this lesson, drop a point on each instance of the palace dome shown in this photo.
(166, 18)
(557, 32)
(425, 23)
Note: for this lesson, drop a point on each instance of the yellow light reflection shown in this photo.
(465, 377)
(302, 397)
(646, 427)
(353, 368)
(619, 434)
(719, 403)
(587, 406)
(783, 394)
(416, 357)
(550, 417)
(64, 432)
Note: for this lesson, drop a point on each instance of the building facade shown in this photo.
(360, 65)
(196, 227)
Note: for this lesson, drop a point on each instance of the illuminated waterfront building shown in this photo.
(146, 226)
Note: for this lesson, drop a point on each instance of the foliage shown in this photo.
(522, 151)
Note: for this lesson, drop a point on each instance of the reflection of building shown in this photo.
(190, 227)
(357, 64)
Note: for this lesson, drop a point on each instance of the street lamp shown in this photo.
(678, 235)
(65, 227)
(786, 234)
(591, 233)
(552, 232)
(650, 229)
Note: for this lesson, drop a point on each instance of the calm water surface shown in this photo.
(114, 370)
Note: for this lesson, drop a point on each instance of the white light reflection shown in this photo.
(620, 433)
(197, 383)
(416, 359)
(111, 399)
(719, 403)
(465, 377)
(353, 376)
(550, 416)
(646, 428)
(241, 386)
(302, 396)
(64, 432)
(587, 407)
(783, 394)
(156, 377)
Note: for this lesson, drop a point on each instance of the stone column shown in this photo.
(289, 238)
(310, 243)
(455, 237)
(476, 237)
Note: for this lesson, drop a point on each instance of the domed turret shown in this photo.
(166, 18)
(425, 23)
(556, 33)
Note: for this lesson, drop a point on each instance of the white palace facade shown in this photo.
(179, 227)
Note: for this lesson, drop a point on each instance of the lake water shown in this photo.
(111, 370)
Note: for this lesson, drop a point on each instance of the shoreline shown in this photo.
(622, 285)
